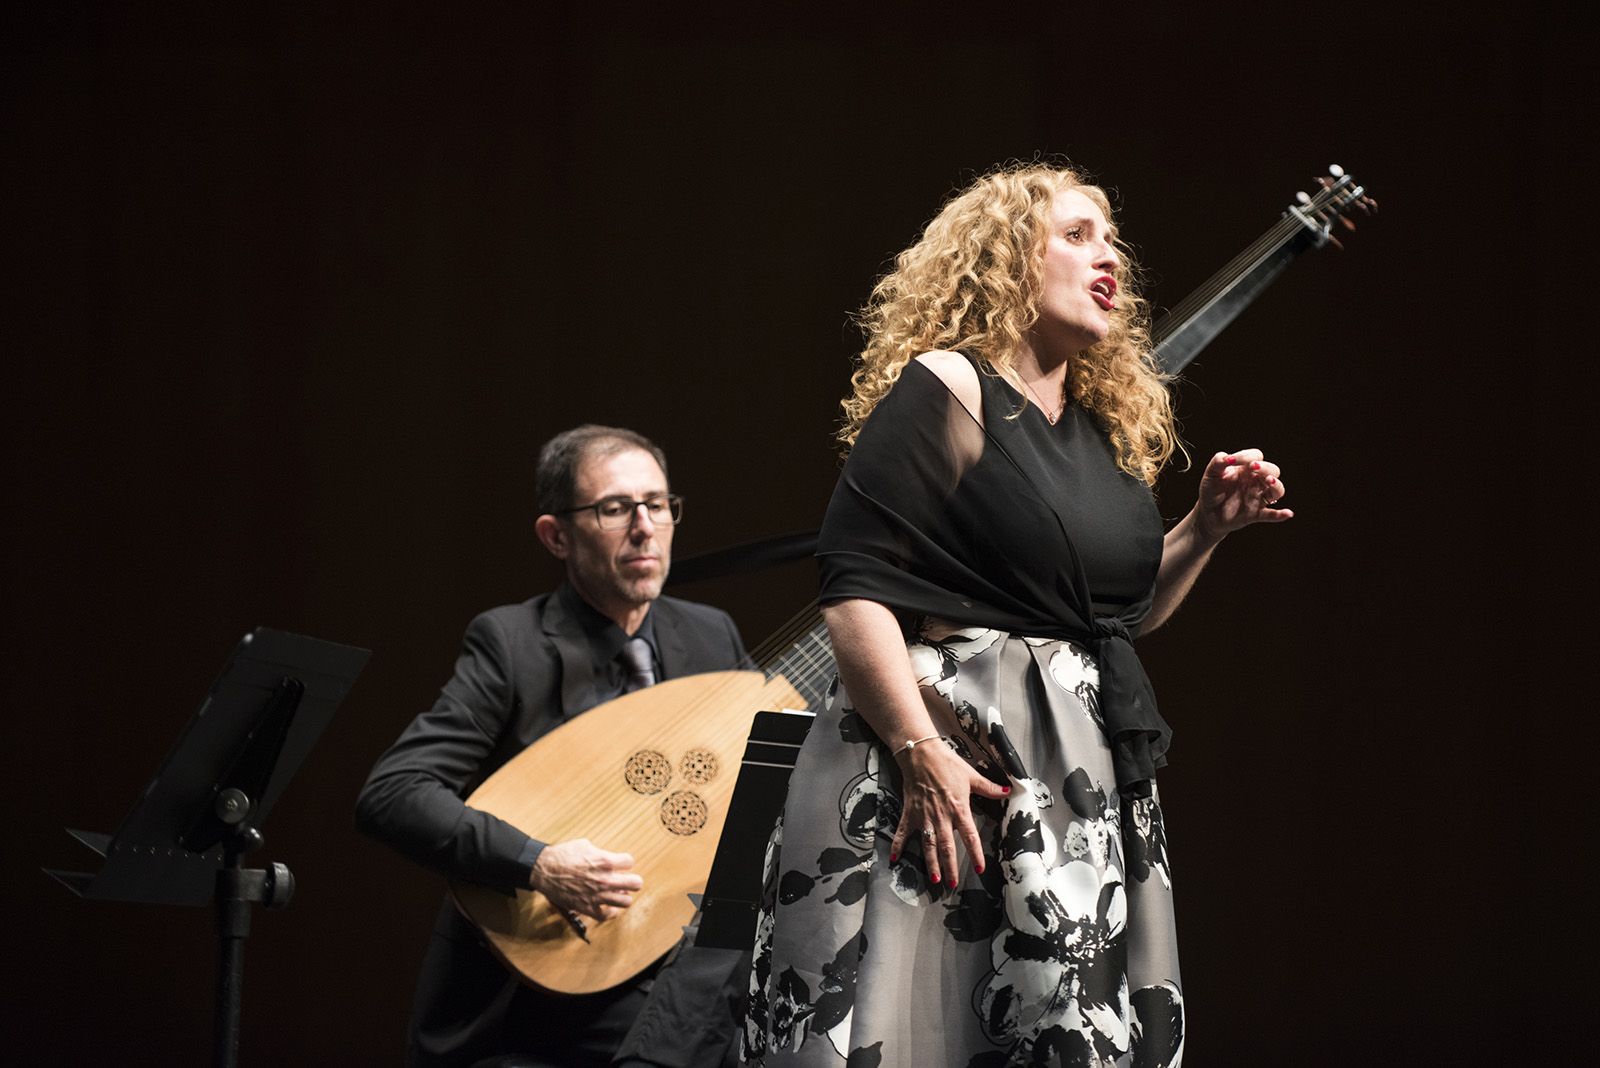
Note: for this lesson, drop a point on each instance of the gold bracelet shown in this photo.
(913, 743)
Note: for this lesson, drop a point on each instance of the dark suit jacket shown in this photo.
(523, 670)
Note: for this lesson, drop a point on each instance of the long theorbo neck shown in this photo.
(806, 660)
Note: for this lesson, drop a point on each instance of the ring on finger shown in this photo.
(929, 833)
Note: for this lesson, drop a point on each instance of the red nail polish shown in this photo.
(979, 869)
(1005, 789)
(951, 882)
(1255, 465)
(1231, 460)
(893, 857)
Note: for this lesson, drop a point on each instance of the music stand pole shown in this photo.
(237, 889)
(183, 842)
(230, 821)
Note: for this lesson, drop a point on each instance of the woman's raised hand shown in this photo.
(937, 788)
(1237, 489)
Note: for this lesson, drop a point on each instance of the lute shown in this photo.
(650, 773)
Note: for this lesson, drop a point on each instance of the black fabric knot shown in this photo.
(1138, 735)
(1111, 627)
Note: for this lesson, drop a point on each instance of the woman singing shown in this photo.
(971, 869)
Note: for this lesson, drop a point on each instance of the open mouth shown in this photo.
(1104, 291)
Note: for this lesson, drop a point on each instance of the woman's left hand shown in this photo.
(1237, 489)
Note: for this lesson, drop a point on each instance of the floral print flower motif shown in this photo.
(967, 717)
(783, 1011)
(791, 1011)
(1098, 815)
(930, 666)
(1062, 988)
(909, 881)
(1076, 672)
(1157, 1026)
(1056, 991)
(1145, 844)
(754, 1039)
(1034, 794)
(935, 655)
(967, 742)
(866, 806)
(938, 650)
(795, 1014)
(869, 810)
(845, 870)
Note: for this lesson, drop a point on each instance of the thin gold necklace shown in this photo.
(1043, 410)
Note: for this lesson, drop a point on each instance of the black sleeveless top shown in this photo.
(1016, 525)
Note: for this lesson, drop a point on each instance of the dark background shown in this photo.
(294, 294)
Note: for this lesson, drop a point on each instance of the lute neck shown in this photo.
(806, 661)
(1198, 318)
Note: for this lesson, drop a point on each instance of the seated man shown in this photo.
(608, 513)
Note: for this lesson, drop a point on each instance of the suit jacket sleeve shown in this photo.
(412, 801)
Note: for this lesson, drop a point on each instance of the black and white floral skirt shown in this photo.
(1063, 952)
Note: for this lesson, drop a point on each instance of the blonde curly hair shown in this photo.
(972, 282)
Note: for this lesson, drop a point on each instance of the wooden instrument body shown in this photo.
(650, 774)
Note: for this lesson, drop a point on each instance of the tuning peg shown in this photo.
(1302, 198)
(1334, 241)
(1336, 170)
(1349, 223)
(1371, 203)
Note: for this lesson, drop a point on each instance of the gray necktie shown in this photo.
(638, 663)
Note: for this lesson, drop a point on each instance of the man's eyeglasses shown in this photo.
(616, 513)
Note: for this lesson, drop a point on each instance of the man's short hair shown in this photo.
(556, 481)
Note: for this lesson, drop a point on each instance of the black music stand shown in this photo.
(182, 842)
(733, 889)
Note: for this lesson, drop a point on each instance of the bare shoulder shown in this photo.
(958, 376)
